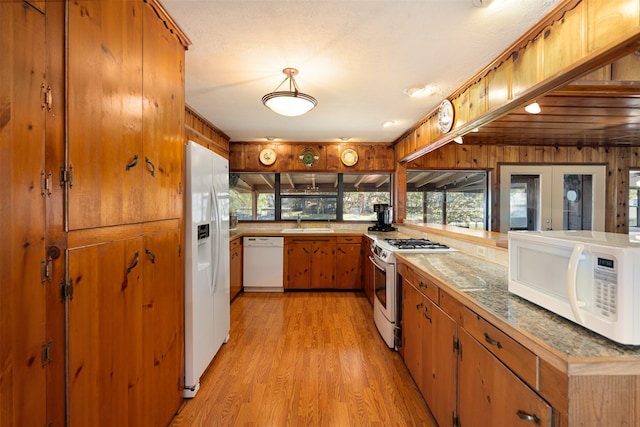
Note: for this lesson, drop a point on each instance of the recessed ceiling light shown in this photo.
(481, 3)
(475, 130)
(344, 138)
(270, 138)
(388, 123)
(415, 92)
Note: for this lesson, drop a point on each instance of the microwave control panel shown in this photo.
(605, 280)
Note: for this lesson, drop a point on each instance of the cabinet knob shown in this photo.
(528, 417)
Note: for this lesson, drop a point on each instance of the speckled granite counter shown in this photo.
(477, 282)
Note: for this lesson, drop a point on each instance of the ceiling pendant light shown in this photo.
(292, 102)
(533, 108)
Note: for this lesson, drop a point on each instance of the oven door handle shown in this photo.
(384, 270)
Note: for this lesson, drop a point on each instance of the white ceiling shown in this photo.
(355, 56)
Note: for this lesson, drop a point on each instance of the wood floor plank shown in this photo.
(305, 358)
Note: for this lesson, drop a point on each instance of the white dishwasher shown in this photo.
(263, 265)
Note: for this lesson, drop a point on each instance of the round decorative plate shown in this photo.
(445, 116)
(349, 157)
(267, 156)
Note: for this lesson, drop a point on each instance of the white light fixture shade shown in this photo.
(289, 103)
(458, 140)
(481, 3)
(533, 108)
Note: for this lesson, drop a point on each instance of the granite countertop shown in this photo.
(485, 284)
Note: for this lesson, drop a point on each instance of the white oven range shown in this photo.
(385, 304)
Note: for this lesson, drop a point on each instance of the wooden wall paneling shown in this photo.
(285, 158)
(461, 108)
(237, 159)
(366, 160)
(163, 112)
(479, 155)
(510, 154)
(105, 113)
(626, 69)
(620, 194)
(605, 23)
(588, 391)
(421, 137)
(400, 206)
(399, 149)
(563, 43)
(499, 85)
(56, 237)
(252, 156)
(333, 156)
(22, 212)
(477, 99)
(561, 154)
(526, 68)
(527, 154)
(464, 157)
(634, 157)
(384, 158)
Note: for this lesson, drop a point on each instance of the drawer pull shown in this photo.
(488, 339)
(528, 417)
(423, 285)
(419, 306)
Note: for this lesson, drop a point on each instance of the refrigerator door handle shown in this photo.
(215, 214)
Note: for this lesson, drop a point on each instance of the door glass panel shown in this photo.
(577, 202)
(524, 202)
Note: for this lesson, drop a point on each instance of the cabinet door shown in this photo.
(439, 362)
(163, 112)
(323, 263)
(22, 214)
(298, 264)
(105, 112)
(348, 272)
(235, 271)
(162, 327)
(412, 333)
(489, 394)
(105, 334)
(367, 268)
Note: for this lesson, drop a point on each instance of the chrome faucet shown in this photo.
(299, 222)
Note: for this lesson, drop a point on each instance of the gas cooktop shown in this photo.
(419, 244)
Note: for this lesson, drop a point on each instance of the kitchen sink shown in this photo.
(307, 230)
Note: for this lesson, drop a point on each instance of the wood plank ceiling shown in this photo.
(583, 113)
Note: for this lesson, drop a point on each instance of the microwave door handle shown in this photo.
(572, 282)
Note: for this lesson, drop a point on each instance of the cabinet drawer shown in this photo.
(235, 243)
(349, 239)
(421, 283)
(517, 357)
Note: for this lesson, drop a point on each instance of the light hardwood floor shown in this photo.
(305, 359)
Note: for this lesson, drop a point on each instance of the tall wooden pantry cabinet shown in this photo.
(92, 140)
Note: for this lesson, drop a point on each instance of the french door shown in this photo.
(552, 197)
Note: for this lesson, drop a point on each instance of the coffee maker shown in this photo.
(385, 218)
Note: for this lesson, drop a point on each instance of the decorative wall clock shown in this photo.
(446, 115)
(267, 156)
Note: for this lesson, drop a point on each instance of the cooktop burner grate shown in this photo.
(414, 244)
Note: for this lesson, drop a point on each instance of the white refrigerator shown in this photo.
(207, 312)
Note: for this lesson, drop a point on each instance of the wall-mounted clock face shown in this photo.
(446, 116)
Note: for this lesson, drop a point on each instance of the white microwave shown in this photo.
(591, 278)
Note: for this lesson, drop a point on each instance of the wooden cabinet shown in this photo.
(490, 394)
(23, 198)
(310, 262)
(428, 338)
(235, 273)
(348, 262)
(126, 115)
(105, 334)
(367, 268)
(125, 330)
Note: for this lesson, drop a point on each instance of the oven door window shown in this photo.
(380, 286)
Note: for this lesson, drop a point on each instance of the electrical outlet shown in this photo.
(481, 251)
